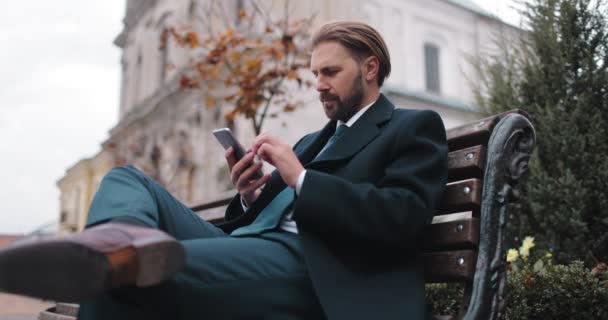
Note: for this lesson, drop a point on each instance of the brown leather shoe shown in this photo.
(78, 266)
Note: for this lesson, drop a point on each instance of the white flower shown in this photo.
(526, 245)
(512, 255)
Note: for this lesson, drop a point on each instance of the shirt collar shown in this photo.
(356, 116)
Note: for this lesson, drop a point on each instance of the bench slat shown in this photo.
(449, 266)
(213, 204)
(459, 234)
(461, 196)
(466, 163)
(477, 132)
(471, 134)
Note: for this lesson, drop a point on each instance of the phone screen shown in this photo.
(227, 140)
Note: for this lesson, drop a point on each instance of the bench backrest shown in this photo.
(464, 243)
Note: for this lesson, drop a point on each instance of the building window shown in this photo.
(431, 65)
(191, 9)
(164, 63)
(123, 87)
(239, 6)
(77, 204)
(139, 80)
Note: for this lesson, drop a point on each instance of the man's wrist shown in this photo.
(300, 181)
(247, 200)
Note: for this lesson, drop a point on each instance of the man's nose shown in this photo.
(322, 85)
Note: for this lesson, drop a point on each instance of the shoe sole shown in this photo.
(71, 272)
(157, 260)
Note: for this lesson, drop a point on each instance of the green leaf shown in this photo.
(539, 265)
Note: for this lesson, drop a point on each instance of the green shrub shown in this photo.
(444, 298)
(558, 73)
(539, 291)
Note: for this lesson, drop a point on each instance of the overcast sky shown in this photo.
(59, 93)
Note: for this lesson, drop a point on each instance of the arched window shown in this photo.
(164, 54)
(138, 79)
(163, 57)
(431, 68)
(124, 86)
(191, 9)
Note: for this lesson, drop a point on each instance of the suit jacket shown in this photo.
(362, 209)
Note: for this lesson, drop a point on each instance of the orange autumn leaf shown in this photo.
(231, 115)
(192, 39)
(289, 108)
(242, 13)
(187, 82)
(291, 75)
(229, 32)
(253, 64)
(235, 56)
(164, 36)
(178, 38)
(211, 102)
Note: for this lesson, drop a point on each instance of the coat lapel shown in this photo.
(318, 140)
(362, 132)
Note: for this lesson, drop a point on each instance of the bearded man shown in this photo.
(333, 233)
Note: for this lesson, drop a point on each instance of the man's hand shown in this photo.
(280, 155)
(242, 175)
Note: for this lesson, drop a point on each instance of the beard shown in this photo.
(346, 107)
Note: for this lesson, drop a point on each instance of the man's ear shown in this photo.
(371, 66)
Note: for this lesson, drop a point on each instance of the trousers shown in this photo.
(252, 277)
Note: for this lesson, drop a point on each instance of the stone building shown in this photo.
(166, 131)
(78, 186)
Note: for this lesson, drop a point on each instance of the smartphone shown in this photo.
(227, 140)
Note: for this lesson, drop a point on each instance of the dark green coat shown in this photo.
(362, 209)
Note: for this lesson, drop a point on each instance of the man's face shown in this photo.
(339, 80)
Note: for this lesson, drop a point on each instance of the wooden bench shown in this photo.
(465, 242)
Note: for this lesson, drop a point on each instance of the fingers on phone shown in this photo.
(248, 181)
(229, 155)
(258, 183)
(238, 168)
(249, 174)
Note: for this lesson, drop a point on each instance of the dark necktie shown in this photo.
(339, 132)
(270, 217)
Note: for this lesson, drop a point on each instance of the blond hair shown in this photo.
(360, 39)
